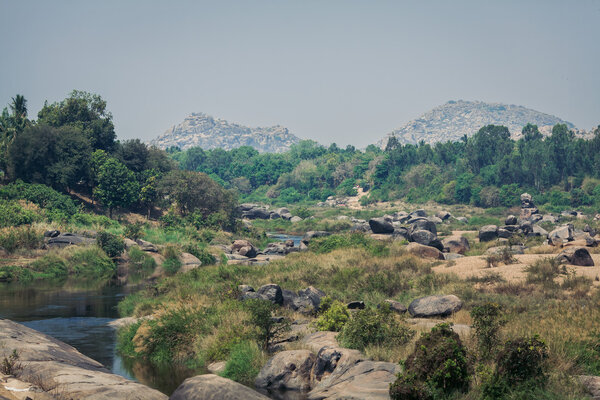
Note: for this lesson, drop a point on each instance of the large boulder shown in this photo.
(488, 232)
(576, 256)
(422, 251)
(434, 306)
(189, 262)
(381, 225)
(50, 363)
(213, 387)
(456, 244)
(344, 374)
(272, 293)
(423, 224)
(68, 239)
(511, 220)
(561, 235)
(287, 370)
(244, 248)
(423, 237)
(147, 246)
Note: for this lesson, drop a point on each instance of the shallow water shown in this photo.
(79, 316)
(283, 237)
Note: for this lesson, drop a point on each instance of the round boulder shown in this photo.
(434, 306)
(511, 220)
(213, 387)
(456, 244)
(381, 225)
(271, 292)
(488, 232)
(576, 256)
(422, 251)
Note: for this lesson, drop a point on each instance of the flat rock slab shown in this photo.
(61, 366)
(592, 385)
(316, 341)
(434, 306)
(213, 387)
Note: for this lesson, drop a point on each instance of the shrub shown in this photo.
(333, 315)
(133, 231)
(201, 253)
(437, 367)
(50, 267)
(261, 313)
(521, 363)
(125, 336)
(55, 203)
(140, 261)
(544, 271)
(22, 237)
(487, 321)
(86, 219)
(12, 273)
(112, 245)
(329, 243)
(13, 214)
(10, 364)
(374, 327)
(171, 266)
(244, 363)
(91, 262)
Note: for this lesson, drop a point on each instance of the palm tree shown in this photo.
(19, 106)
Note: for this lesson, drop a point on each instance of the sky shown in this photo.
(343, 71)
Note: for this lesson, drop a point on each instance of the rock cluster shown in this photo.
(256, 211)
(305, 301)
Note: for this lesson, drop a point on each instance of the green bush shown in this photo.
(487, 321)
(21, 237)
(86, 219)
(374, 327)
(437, 367)
(134, 231)
(112, 245)
(544, 271)
(333, 315)
(56, 204)
(171, 266)
(140, 261)
(201, 253)
(91, 262)
(50, 267)
(125, 335)
(15, 273)
(261, 313)
(244, 363)
(521, 363)
(13, 214)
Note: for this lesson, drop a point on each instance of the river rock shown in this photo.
(68, 239)
(244, 248)
(443, 215)
(381, 225)
(340, 373)
(576, 256)
(272, 293)
(456, 244)
(434, 306)
(488, 232)
(147, 246)
(287, 370)
(396, 306)
(213, 387)
(51, 363)
(422, 251)
(295, 219)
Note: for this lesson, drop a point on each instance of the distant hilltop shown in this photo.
(455, 119)
(201, 130)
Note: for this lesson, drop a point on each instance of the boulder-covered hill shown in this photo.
(455, 119)
(204, 131)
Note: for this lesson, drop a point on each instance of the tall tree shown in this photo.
(117, 186)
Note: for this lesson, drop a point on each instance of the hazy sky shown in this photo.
(333, 71)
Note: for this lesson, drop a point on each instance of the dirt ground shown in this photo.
(476, 266)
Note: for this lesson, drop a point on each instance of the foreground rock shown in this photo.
(213, 387)
(55, 365)
(435, 306)
(287, 370)
(576, 256)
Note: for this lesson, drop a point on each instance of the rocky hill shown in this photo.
(202, 130)
(455, 119)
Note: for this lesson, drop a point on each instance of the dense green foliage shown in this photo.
(333, 315)
(487, 321)
(438, 366)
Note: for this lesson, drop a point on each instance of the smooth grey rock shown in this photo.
(396, 306)
(434, 306)
(443, 215)
(511, 220)
(456, 244)
(213, 387)
(561, 235)
(424, 224)
(423, 251)
(147, 246)
(488, 232)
